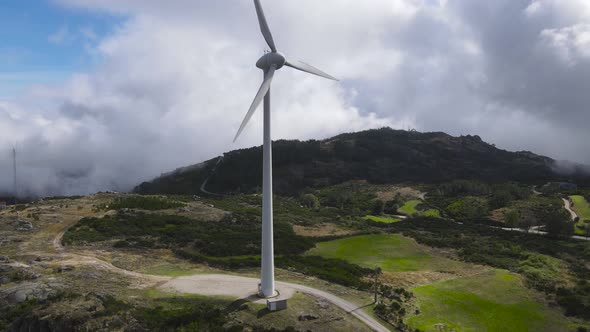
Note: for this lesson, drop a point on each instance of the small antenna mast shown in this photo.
(14, 166)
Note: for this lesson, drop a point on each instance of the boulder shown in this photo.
(65, 268)
(322, 304)
(22, 225)
(29, 291)
(306, 317)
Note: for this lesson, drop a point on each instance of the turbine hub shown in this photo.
(269, 59)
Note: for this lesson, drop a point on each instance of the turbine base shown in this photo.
(274, 295)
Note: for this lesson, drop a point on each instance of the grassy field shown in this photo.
(409, 207)
(582, 208)
(494, 301)
(391, 252)
(383, 219)
(172, 270)
(431, 213)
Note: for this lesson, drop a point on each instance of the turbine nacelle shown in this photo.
(273, 58)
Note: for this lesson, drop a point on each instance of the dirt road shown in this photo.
(246, 288)
(568, 207)
(213, 284)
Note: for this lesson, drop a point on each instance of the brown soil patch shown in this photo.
(322, 230)
(498, 215)
(406, 193)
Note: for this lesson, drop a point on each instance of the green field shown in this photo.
(409, 207)
(494, 301)
(391, 252)
(582, 208)
(383, 219)
(431, 213)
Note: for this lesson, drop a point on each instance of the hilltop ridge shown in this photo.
(379, 156)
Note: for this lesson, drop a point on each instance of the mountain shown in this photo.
(378, 156)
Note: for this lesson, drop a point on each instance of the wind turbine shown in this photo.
(269, 63)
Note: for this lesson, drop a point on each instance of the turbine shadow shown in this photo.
(361, 307)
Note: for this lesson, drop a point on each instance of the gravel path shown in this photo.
(242, 287)
(568, 206)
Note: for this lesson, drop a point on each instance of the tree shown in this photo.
(339, 199)
(512, 218)
(556, 220)
(468, 208)
(500, 199)
(310, 201)
(528, 222)
(586, 228)
(391, 206)
(377, 208)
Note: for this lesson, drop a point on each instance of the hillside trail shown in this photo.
(210, 284)
(204, 184)
(537, 229)
(568, 207)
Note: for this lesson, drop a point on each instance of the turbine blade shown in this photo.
(309, 69)
(264, 26)
(258, 99)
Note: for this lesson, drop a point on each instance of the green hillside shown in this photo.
(378, 156)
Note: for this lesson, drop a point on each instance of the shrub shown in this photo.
(377, 208)
(144, 203)
(468, 208)
(310, 201)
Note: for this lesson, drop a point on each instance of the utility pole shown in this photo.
(14, 167)
(377, 273)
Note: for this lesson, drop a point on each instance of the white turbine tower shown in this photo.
(269, 63)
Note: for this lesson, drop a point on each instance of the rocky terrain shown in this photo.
(45, 286)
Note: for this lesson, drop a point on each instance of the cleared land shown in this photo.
(582, 208)
(391, 252)
(494, 301)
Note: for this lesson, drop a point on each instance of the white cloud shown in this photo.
(176, 79)
(571, 44)
(62, 35)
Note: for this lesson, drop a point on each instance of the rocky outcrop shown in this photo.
(35, 290)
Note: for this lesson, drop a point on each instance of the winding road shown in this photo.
(568, 207)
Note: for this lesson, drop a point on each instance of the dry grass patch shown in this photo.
(322, 230)
(390, 192)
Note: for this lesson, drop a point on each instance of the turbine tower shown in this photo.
(269, 63)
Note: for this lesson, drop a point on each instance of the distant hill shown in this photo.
(378, 156)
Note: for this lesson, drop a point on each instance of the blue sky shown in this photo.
(42, 42)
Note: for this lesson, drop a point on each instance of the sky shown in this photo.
(104, 94)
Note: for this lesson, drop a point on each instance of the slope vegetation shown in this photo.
(378, 156)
